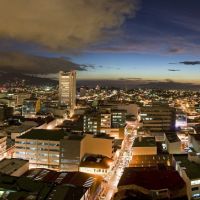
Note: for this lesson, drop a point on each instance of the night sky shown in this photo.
(139, 41)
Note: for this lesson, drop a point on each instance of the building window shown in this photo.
(195, 188)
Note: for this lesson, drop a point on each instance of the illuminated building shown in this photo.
(60, 150)
(29, 107)
(101, 144)
(158, 118)
(95, 164)
(181, 120)
(92, 122)
(173, 143)
(118, 118)
(41, 147)
(188, 169)
(2, 146)
(67, 88)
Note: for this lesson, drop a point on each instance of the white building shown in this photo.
(189, 171)
(67, 88)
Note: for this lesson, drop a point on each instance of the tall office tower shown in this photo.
(67, 88)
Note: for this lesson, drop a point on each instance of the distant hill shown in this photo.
(7, 77)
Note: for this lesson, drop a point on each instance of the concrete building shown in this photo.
(144, 146)
(2, 146)
(92, 122)
(158, 118)
(41, 147)
(118, 119)
(14, 166)
(151, 160)
(67, 89)
(101, 144)
(173, 143)
(190, 172)
(71, 152)
(60, 150)
(195, 141)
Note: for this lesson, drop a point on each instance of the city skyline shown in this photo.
(136, 42)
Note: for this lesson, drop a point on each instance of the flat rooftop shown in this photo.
(8, 166)
(103, 136)
(45, 134)
(172, 137)
(144, 142)
(192, 169)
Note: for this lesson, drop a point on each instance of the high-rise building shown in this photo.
(67, 88)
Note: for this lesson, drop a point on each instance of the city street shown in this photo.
(122, 161)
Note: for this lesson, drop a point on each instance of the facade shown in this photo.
(189, 171)
(2, 146)
(41, 147)
(195, 142)
(101, 144)
(173, 143)
(60, 150)
(158, 118)
(67, 89)
(92, 122)
(70, 152)
(118, 118)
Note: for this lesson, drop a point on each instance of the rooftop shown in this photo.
(172, 137)
(192, 169)
(144, 142)
(96, 161)
(152, 179)
(196, 136)
(37, 184)
(45, 134)
(8, 166)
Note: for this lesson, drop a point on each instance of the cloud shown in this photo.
(174, 70)
(30, 64)
(190, 62)
(130, 79)
(62, 24)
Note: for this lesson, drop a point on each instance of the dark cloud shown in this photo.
(190, 62)
(62, 24)
(30, 64)
(130, 79)
(176, 50)
(174, 70)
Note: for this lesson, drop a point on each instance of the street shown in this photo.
(122, 161)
